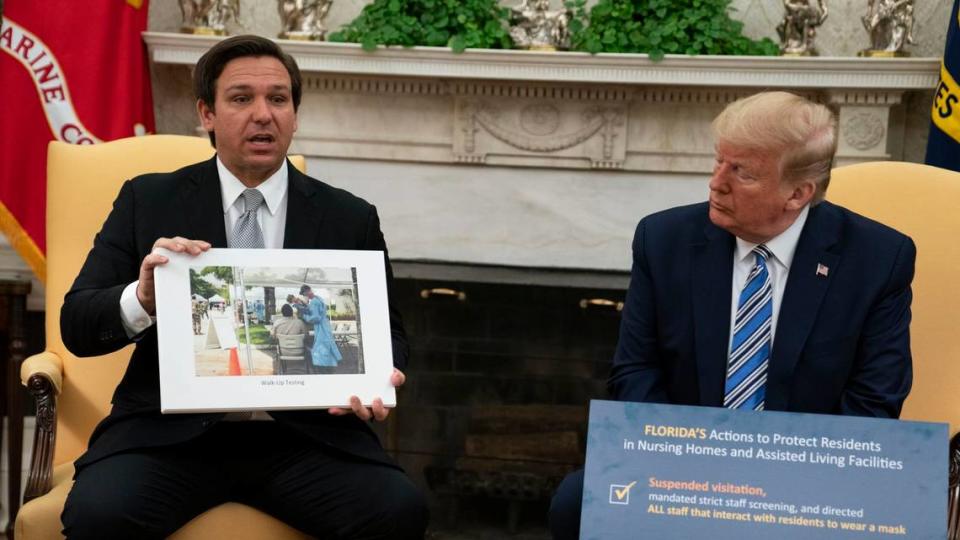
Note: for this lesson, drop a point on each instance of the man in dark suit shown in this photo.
(146, 474)
(765, 297)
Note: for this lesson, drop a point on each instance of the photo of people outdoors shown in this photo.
(275, 321)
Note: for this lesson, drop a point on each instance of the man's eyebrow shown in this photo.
(741, 161)
(248, 87)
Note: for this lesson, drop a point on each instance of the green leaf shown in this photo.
(436, 38)
(593, 45)
(458, 44)
(390, 34)
(369, 43)
(609, 37)
(492, 27)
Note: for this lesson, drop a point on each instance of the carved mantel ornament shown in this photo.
(208, 17)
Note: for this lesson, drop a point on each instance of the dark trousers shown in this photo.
(565, 508)
(150, 493)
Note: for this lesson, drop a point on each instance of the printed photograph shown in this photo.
(268, 321)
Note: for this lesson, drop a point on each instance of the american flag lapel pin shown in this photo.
(822, 270)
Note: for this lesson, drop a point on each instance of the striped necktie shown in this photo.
(752, 335)
(246, 232)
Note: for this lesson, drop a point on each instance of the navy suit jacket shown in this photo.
(188, 203)
(842, 342)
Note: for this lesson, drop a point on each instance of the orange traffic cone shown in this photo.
(234, 368)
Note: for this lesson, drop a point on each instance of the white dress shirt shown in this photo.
(274, 191)
(783, 246)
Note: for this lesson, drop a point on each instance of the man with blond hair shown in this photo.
(765, 296)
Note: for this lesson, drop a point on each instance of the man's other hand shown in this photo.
(145, 291)
(377, 412)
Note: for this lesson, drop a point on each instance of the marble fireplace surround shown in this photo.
(535, 167)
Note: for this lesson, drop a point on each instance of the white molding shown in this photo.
(571, 67)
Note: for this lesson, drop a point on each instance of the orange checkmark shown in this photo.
(621, 493)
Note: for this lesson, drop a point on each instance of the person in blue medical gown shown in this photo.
(325, 353)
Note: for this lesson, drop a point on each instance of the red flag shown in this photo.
(70, 71)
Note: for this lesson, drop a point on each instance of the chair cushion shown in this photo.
(40, 518)
(919, 201)
(237, 522)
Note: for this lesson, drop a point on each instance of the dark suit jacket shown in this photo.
(187, 203)
(842, 342)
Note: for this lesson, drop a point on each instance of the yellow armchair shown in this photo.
(73, 394)
(922, 202)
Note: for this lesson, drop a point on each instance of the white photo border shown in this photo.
(182, 391)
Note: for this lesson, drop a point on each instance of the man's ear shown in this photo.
(206, 114)
(801, 195)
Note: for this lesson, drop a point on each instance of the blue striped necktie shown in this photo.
(752, 336)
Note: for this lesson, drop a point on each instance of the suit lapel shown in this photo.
(803, 294)
(203, 203)
(712, 275)
(304, 211)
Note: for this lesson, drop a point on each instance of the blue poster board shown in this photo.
(668, 471)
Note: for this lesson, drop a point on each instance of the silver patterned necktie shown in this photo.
(246, 232)
(750, 350)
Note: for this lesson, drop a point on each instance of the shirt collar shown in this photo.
(273, 189)
(783, 246)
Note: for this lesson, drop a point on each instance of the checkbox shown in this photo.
(620, 493)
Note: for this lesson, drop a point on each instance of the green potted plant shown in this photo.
(659, 27)
(458, 24)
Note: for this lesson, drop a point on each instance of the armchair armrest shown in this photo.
(42, 374)
(47, 364)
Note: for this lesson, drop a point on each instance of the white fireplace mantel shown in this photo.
(573, 67)
(536, 159)
(566, 110)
